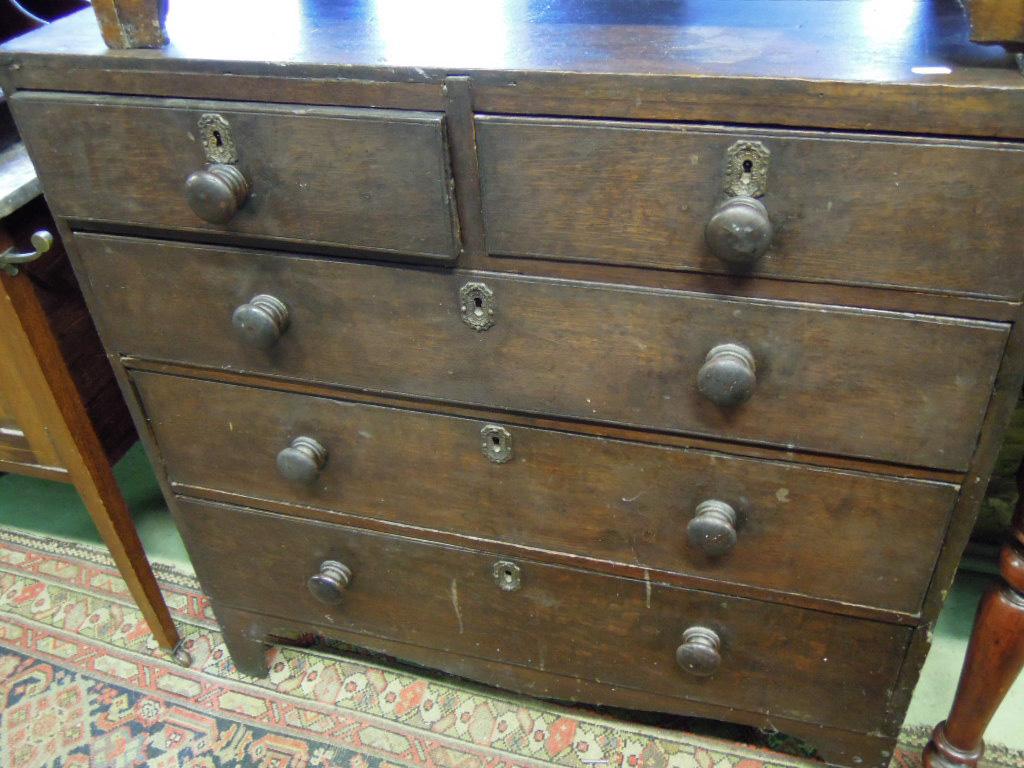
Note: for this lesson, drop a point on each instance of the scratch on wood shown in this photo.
(647, 587)
(455, 604)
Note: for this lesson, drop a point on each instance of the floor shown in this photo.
(54, 509)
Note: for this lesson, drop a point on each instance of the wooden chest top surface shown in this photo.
(858, 64)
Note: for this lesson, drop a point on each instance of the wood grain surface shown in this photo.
(789, 661)
(605, 499)
(866, 384)
(359, 179)
(866, 210)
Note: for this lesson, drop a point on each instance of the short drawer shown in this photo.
(860, 383)
(788, 661)
(363, 179)
(688, 512)
(923, 214)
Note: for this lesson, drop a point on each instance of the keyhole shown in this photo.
(217, 140)
(508, 574)
(497, 443)
(748, 167)
(479, 305)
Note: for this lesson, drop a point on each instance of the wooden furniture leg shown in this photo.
(995, 656)
(30, 347)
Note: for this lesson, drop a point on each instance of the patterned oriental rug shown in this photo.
(83, 684)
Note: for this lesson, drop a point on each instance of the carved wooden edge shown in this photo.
(132, 23)
(995, 657)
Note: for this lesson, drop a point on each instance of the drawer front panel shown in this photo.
(788, 661)
(872, 384)
(606, 499)
(919, 214)
(352, 178)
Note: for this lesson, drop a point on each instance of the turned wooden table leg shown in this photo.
(995, 657)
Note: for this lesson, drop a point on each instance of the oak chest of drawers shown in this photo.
(553, 347)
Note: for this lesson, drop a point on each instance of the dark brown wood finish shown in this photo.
(569, 622)
(596, 353)
(604, 499)
(333, 177)
(588, 304)
(995, 657)
(842, 64)
(640, 194)
(247, 635)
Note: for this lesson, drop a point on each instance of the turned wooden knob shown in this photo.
(216, 192)
(302, 461)
(712, 529)
(727, 377)
(329, 585)
(739, 231)
(698, 653)
(261, 321)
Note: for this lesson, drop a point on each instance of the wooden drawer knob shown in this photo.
(712, 529)
(261, 321)
(698, 654)
(329, 585)
(216, 192)
(728, 375)
(739, 231)
(302, 461)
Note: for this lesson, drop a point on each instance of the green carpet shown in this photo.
(53, 509)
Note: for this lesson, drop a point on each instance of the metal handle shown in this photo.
(329, 585)
(261, 321)
(217, 192)
(712, 529)
(728, 375)
(42, 241)
(302, 461)
(698, 654)
(739, 231)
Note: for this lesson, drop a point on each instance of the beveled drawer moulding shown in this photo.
(642, 194)
(562, 347)
(351, 178)
(867, 384)
(448, 598)
(590, 497)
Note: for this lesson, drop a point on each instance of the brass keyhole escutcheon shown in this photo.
(476, 305)
(507, 575)
(496, 443)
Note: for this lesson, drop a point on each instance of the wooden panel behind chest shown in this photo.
(606, 500)
(913, 213)
(872, 384)
(354, 178)
(787, 661)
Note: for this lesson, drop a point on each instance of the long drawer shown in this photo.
(350, 178)
(788, 661)
(860, 383)
(914, 213)
(603, 499)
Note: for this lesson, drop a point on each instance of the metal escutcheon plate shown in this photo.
(496, 443)
(476, 305)
(507, 575)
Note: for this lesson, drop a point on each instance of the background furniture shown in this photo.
(62, 416)
(553, 344)
(995, 658)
